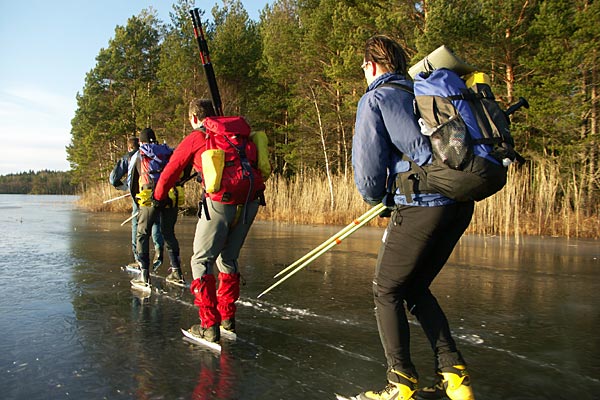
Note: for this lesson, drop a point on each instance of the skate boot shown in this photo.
(454, 382)
(176, 277)
(134, 266)
(158, 258)
(228, 324)
(433, 392)
(210, 334)
(142, 281)
(400, 387)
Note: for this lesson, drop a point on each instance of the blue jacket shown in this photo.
(386, 128)
(121, 170)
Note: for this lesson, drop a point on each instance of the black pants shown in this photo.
(146, 218)
(416, 245)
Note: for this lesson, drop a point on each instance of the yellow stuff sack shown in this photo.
(144, 198)
(476, 77)
(213, 162)
(177, 196)
(261, 141)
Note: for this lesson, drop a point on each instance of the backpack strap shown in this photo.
(414, 180)
(241, 150)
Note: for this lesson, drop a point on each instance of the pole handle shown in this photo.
(521, 103)
(209, 72)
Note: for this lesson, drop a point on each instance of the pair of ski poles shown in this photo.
(325, 246)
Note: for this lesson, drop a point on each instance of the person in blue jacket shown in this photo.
(123, 169)
(422, 232)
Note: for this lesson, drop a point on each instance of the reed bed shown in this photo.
(537, 200)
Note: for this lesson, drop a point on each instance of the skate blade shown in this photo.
(211, 345)
(340, 397)
(228, 334)
(131, 269)
(180, 284)
(140, 287)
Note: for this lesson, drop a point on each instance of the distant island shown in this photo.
(41, 182)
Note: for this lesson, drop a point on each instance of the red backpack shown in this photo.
(241, 181)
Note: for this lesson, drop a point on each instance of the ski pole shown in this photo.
(130, 218)
(323, 250)
(377, 209)
(116, 198)
(205, 59)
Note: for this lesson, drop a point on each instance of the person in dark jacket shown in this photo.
(123, 169)
(151, 160)
(423, 229)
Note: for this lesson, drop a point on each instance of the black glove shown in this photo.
(160, 204)
(386, 213)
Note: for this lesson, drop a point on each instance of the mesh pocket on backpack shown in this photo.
(450, 143)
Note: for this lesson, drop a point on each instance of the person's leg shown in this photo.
(134, 224)
(454, 380)
(237, 232)
(229, 275)
(209, 239)
(168, 220)
(406, 243)
(159, 243)
(403, 246)
(146, 218)
(419, 299)
(205, 297)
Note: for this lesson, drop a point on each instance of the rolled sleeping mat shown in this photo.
(442, 57)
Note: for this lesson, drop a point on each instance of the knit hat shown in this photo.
(147, 136)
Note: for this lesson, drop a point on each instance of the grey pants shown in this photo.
(146, 219)
(220, 239)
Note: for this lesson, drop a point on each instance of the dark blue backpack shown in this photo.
(470, 139)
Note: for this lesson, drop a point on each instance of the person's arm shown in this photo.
(370, 151)
(118, 173)
(132, 183)
(134, 175)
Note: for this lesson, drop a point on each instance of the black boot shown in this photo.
(176, 276)
(158, 258)
(142, 281)
(210, 334)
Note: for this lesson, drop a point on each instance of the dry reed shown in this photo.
(535, 201)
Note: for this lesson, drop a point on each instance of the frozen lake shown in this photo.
(527, 317)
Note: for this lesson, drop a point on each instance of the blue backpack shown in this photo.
(470, 139)
(153, 159)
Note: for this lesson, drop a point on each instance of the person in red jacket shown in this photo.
(221, 229)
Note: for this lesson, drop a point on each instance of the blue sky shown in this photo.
(46, 48)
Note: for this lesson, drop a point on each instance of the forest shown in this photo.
(40, 182)
(295, 74)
